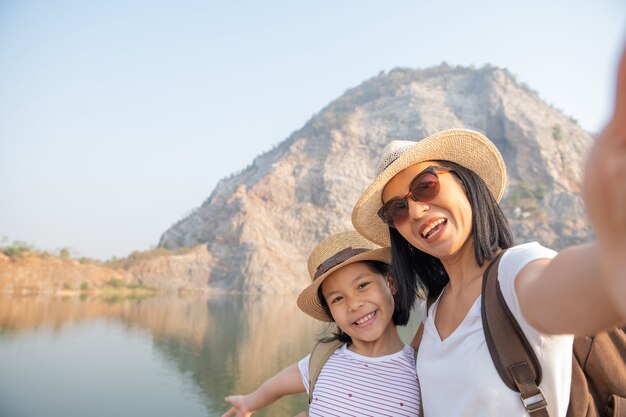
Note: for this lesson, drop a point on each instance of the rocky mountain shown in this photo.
(188, 271)
(258, 226)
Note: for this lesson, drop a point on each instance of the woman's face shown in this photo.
(439, 227)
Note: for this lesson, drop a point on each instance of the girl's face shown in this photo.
(439, 227)
(360, 301)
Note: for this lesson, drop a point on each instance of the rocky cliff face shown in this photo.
(259, 225)
(178, 272)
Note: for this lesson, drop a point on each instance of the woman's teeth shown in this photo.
(430, 227)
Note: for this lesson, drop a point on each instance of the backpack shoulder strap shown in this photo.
(319, 355)
(510, 351)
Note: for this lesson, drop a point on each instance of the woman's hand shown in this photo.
(604, 193)
(239, 408)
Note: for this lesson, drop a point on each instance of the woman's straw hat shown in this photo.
(331, 254)
(465, 147)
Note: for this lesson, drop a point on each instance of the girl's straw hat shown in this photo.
(331, 254)
(465, 147)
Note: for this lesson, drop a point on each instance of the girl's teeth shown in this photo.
(364, 319)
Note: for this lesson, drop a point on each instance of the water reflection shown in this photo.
(224, 345)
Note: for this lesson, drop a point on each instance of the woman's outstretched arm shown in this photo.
(583, 289)
(604, 192)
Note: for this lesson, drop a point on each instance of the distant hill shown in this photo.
(259, 225)
(29, 273)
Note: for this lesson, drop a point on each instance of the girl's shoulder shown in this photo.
(406, 354)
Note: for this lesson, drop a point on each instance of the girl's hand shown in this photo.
(604, 193)
(238, 408)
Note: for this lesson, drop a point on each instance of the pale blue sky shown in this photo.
(119, 117)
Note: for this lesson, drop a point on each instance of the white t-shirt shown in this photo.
(354, 385)
(458, 377)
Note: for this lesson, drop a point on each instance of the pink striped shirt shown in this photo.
(354, 385)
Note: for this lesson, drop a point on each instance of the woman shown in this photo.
(435, 202)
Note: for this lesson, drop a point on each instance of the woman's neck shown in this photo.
(388, 343)
(462, 267)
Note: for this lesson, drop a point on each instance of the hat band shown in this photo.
(336, 259)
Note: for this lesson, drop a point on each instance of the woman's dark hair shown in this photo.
(415, 270)
(401, 310)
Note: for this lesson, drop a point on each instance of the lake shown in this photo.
(154, 356)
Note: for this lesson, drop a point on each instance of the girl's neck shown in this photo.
(388, 343)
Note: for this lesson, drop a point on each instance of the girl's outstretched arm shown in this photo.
(286, 382)
(583, 289)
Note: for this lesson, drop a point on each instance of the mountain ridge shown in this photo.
(260, 224)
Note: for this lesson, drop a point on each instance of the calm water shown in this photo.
(157, 356)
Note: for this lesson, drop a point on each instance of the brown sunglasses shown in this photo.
(424, 187)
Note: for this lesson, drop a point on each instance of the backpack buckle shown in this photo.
(535, 402)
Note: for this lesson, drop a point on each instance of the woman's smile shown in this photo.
(432, 229)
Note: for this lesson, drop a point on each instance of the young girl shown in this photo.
(435, 201)
(373, 372)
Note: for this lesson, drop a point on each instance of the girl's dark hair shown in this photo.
(401, 310)
(415, 270)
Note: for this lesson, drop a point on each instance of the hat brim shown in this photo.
(467, 148)
(308, 301)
